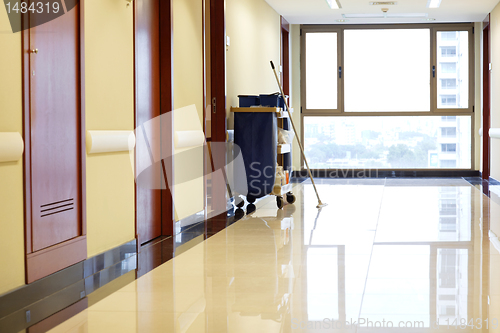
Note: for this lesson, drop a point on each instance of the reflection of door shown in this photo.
(486, 98)
(55, 226)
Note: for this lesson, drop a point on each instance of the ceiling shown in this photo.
(318, 11)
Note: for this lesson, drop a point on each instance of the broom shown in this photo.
(320, 204)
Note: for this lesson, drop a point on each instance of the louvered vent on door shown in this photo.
(56, 207)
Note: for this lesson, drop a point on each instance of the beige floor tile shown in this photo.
(378, 253)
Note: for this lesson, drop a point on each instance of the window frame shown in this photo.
(469, 27)
(434, 83)
(340, 63)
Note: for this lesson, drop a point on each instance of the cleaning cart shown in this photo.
(256, 134)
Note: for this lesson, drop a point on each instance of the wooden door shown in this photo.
(154, 90)
(218, 98)
(55, 164)
(147, 90)
(55, 228)
(285, 55)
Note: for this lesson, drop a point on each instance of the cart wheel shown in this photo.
(279, 202)
(290, 198)
(251, 208)
(251, 199)
(241, 203)
(238, 214)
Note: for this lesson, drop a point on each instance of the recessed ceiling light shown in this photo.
(407, 15)
(363, 15)
(383, 3)
(433, 3)
(334, 4)
(386, 15)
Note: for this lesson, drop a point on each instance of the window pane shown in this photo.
(387, 70)
(449, 132)
(388, 142)
(448, 67)
(452, 276)
(448, 100)
(448, 35)
(448, 83)
(321, 70)
(448, 51)
(322, 284)
(453, 69)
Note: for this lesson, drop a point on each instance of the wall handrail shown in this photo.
(11, 146)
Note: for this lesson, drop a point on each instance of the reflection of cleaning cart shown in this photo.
(265, 293)
(256, 134)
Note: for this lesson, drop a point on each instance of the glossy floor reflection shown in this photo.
(380, 257)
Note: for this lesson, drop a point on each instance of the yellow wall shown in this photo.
(254, 31)
(495, 86)
(11, 174)
(188, 90)
(109, 105)
(109, 98)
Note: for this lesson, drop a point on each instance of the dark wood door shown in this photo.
(147, 85)
(218, 98)
(55, 130)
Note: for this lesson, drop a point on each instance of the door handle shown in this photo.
(34, 51)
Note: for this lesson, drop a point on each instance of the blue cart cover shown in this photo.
(256, 134)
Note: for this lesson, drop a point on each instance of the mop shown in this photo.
(320, 204)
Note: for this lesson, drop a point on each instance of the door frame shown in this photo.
(486, 119)
(54, 258)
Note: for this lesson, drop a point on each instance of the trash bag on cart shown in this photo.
(256, 135)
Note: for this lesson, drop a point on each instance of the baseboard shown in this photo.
(374, 173)
(55, 258)
(493, 181)
(34, 302)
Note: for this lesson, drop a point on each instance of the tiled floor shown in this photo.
(416, 255)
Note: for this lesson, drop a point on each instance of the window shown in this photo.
(448, 51)
(448, 83)
(449, 147)
(448, 164)
(447, 273)
(448, 99)
(449, 118)
(448, 220)
(448, 132)
(447, 297)
(448, 67)
(453, 45)
(403, 142)
(378, 72)
(448, 310)
(321, 76)
(448, 35)
(387, 96)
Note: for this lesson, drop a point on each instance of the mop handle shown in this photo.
(293, 125)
